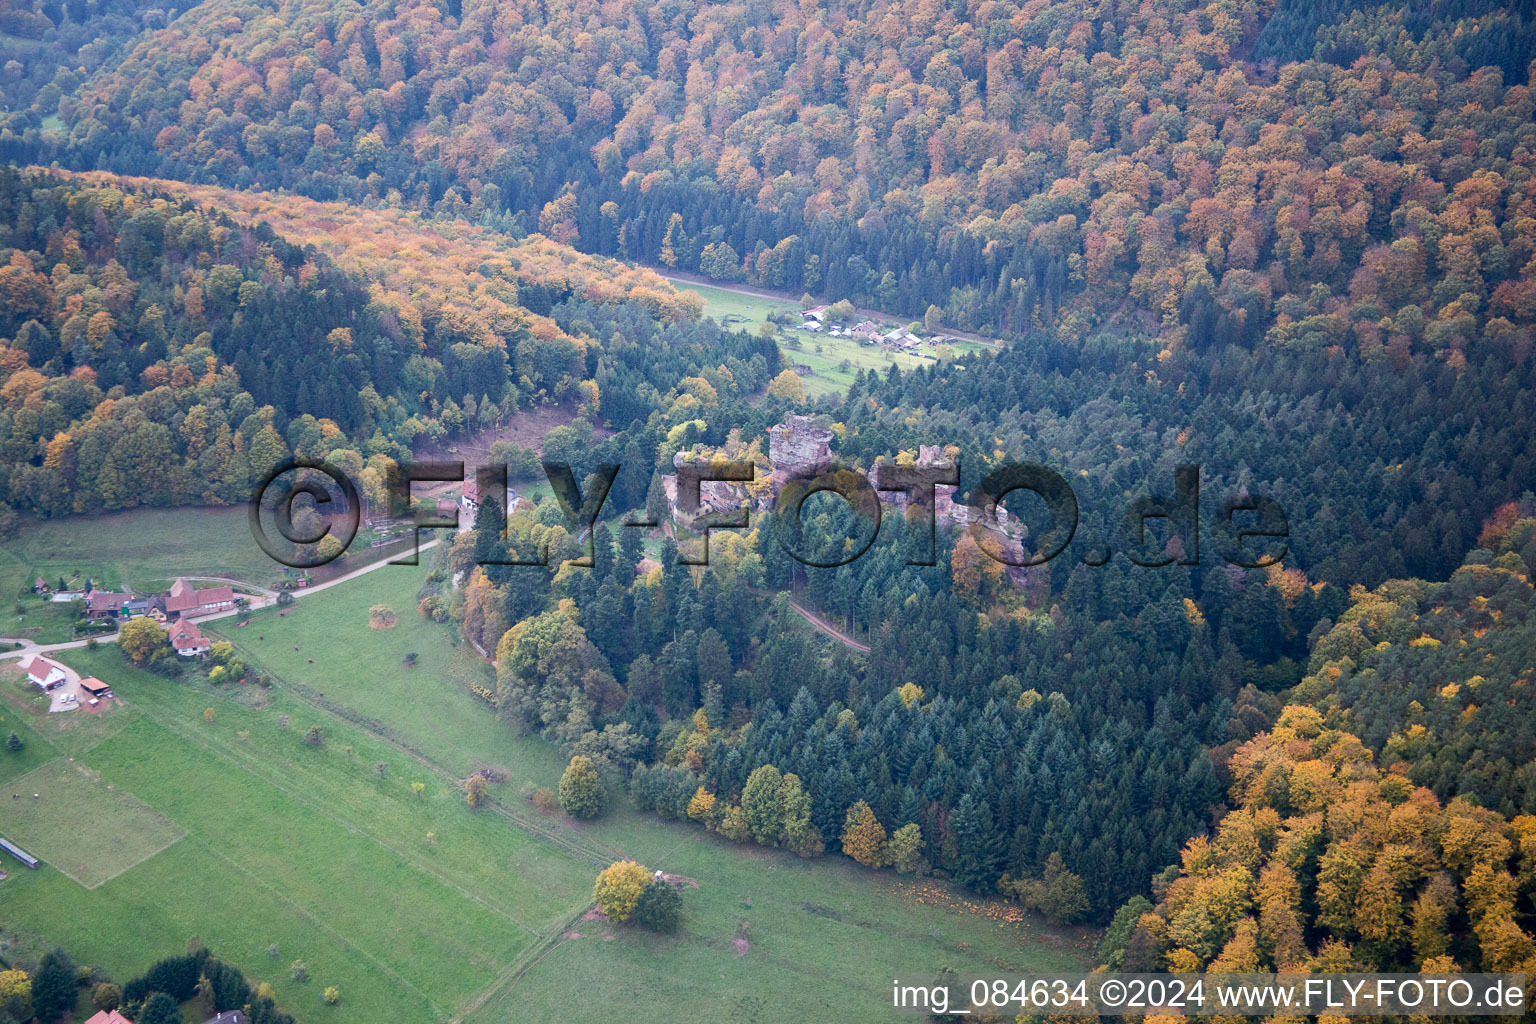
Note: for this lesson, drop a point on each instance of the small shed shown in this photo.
(17, 852)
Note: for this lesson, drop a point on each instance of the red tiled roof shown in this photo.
(41, 666)
(108, 1017)
(182, 628)
(185, 635)
(183, 598)
(106, 601)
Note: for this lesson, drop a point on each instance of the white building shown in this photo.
(44, 673)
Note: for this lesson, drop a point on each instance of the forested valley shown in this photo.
(1292, 244)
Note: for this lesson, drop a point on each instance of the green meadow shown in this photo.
(142, 549)
(417, 907)
(833, 360)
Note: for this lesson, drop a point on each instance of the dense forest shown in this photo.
(157, 351)
(1291, 243)
(1385, 821)
(1095, 167)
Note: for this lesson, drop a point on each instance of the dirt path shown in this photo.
(829, 629)
(271, 595)
(68, 645)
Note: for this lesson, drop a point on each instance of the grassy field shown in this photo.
(416, 907)
(142, 548)
(65, 814)
(833, 361)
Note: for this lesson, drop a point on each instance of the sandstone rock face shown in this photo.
(798, 447)
(927, 455)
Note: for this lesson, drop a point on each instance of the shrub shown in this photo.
(106, 997)
(315, 736)
(474, 790)
(160, 1009)
(659, 908)
(299, 971)
(332, 995)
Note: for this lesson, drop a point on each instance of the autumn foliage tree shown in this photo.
(1329, 859)
(864, 837)
(143, 639)
(618, 889)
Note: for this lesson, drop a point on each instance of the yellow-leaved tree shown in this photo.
(618, 889)
(864, 836)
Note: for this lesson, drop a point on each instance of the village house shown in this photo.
(40, 586)
(187, 639)
(469, 500)
(44, 673)
(105, 604)
(183, 599)
(864, 329)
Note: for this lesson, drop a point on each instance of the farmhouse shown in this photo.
(104, 604)
(183, 599)
(40, 586)
(817, 314)
(44, 673)
(188, 639)
(470, 497)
